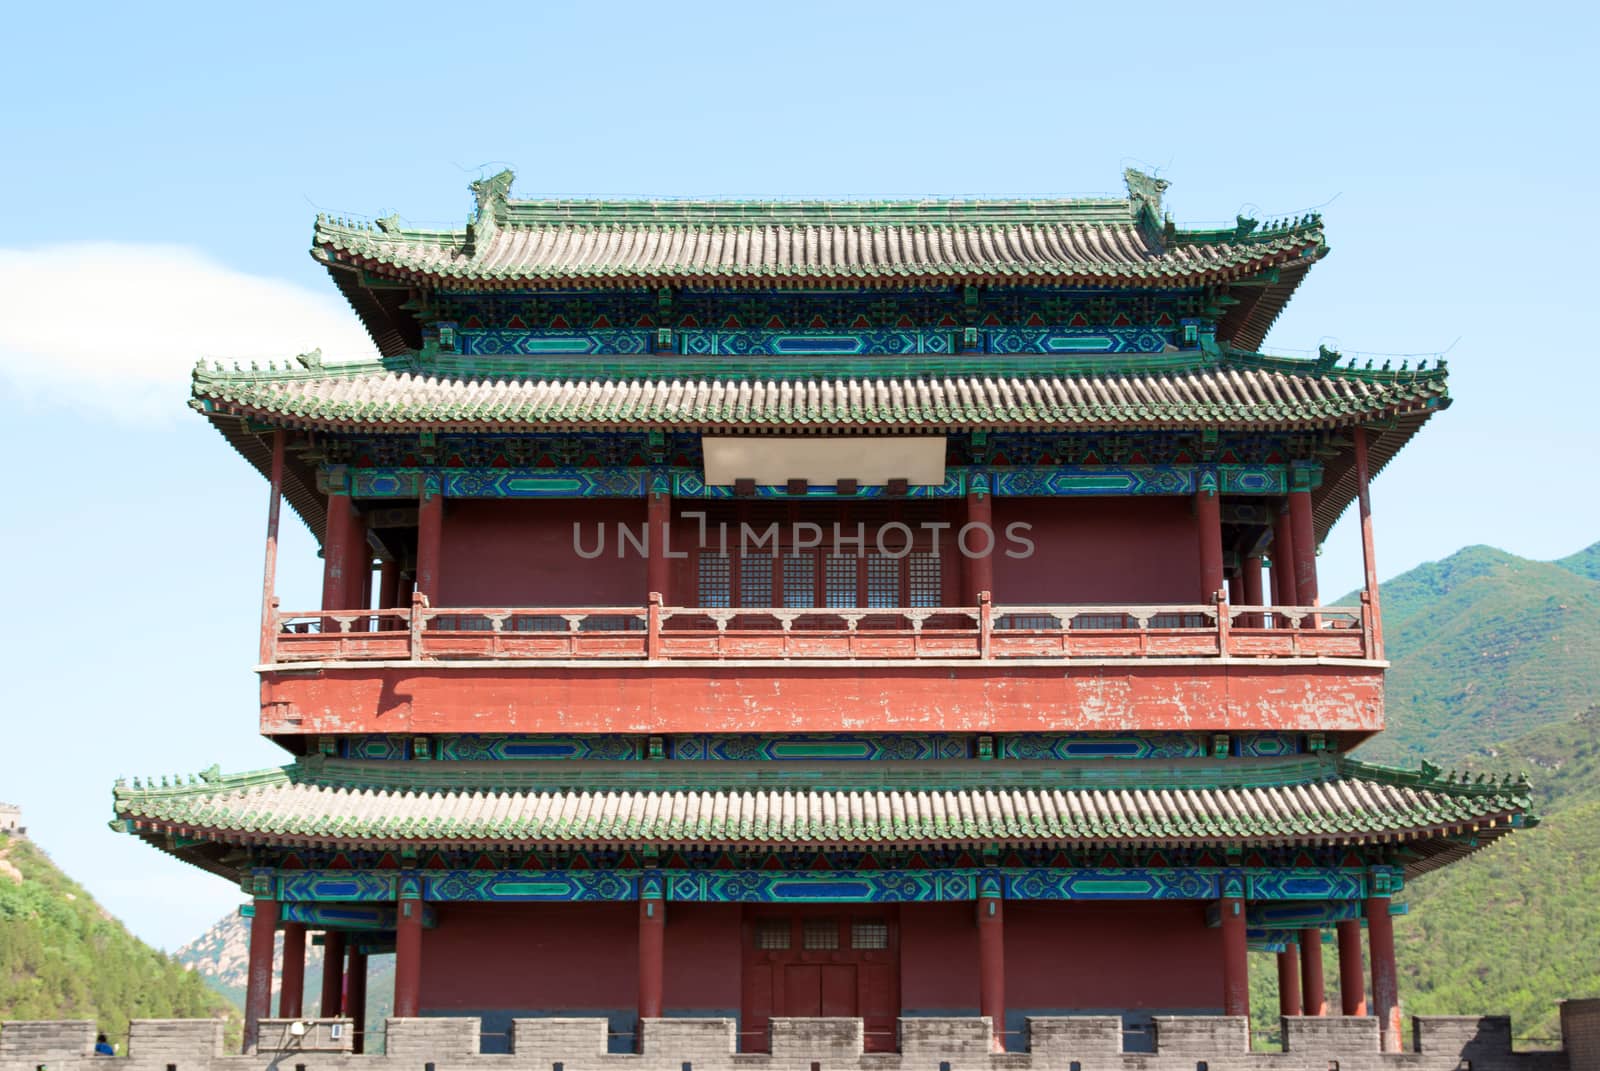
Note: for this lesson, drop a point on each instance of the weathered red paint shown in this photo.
(1098, 550)
(336, 540)
(983, 543)
(1289, 980)
(1270, 694)
(1208, 530)
(992, 966)
(1369, 560)
(1315, 997)
(1385, 984)
(1305, 548)
(408, 960)
(355, 997)
(269, 568)
(1352, 983)
(1235, 958)
(652, 949)
(1284, 592)
(291, 1001)
(332, 1005)
(1250, 593)
(658, 573)
(430, 533)
(258, 982)
(389, 583)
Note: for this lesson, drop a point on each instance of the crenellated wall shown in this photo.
(1072, 1043)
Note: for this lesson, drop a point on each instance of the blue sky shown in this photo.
(164, 167)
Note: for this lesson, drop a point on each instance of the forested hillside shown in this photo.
(63, 957)
(1496, 667)
(1487, 647)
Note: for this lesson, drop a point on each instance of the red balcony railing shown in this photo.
(667, 633)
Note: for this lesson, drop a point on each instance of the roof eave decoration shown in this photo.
(1306, 800)
(1088, 242)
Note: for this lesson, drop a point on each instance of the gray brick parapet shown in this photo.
(48, 1039)
(1580, 1026)
(1055, 1043)
(432, 1038)
(1330, 1035)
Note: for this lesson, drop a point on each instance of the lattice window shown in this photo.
(1180, 621)
(840, 580)
(883, 581)
(1028, 621)
(715, 580)
(820, 935)
(755, 580)
(869, 934)
(926, 580)
(799, 581)
(772, 935)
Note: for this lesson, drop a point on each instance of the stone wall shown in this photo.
(1077, 1043)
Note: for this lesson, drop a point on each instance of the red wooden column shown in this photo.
(1208, 525)
(1385, 985)
(332, 1005)
(1368, 559)
(1314, 991)
(1283, 586)
(258, 983)
(388, 584)
(355, 997)
(977, 546)
(1305, 547)
(1251, 593)
(408, 959)
(1352, 986)
(652, 955)
(1289, 980)
(430, 531)
(269, 570)
(291, 1001)
(658, 519)
(337, 537)
(992, 965)
(1235, 958)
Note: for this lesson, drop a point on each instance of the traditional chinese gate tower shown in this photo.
(853, 609)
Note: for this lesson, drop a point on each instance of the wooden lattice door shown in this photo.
(822, 960)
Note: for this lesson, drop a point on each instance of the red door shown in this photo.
(824, 960)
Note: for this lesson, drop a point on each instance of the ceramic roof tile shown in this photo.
(1198, 389)
(1307, 800)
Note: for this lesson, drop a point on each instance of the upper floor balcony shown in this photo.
(654, 668)
(654, 633)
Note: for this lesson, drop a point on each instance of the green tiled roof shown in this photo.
(1190, 390)
(1089, 241)
(1311, 799)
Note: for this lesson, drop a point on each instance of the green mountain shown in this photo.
(1485, 648)
(63, 957)
(1496, 668)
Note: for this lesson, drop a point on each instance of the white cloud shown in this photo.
(120, 326)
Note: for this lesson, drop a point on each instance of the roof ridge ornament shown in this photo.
(1144, 191)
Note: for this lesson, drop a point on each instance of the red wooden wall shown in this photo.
(521, 553)
(1100, 550)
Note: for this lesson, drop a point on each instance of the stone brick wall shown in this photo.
(1076, 1043)
(1580, 1027)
